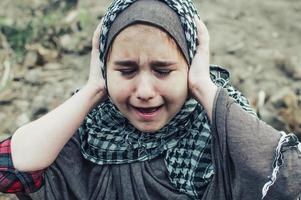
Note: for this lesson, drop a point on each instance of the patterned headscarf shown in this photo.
(107, 137)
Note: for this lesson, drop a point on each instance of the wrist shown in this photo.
(202, 87)
(94, 93)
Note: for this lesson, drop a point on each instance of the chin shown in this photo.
(149, 129)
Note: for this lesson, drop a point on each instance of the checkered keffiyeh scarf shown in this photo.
(108, 138)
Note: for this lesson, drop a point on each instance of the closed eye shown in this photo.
(127, 72)
(162, 68)
(163, 72)
(126, 67)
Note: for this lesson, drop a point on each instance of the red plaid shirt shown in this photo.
(12, 180)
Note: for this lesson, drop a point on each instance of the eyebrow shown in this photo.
(159, 63)
(126, 63)
(131, 63)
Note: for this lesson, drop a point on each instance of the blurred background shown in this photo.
(45, 46)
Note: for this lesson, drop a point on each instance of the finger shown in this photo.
(96, 34)
(203, 34)
(95, 61)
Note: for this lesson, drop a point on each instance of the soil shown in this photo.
(45, 46)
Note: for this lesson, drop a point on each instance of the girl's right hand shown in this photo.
(96, 81)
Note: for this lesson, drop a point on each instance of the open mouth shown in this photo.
(148, 110)
(149, 113)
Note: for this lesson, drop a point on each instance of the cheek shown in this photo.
(176, 89)
(117, 88)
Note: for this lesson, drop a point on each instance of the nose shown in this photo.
(145, 88)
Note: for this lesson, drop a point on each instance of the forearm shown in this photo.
(36, 145)
(204, 93)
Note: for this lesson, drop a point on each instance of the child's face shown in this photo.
(147, 77)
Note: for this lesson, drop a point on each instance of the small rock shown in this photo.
(31, 59)
(261, 98)
(71, 17)
(237, 15)
(296, 63)
(75, 43)
(40, 105)
(235, 47)
(289, 66)
(275, 35)
(22, 119)
(290, 112)
(33, 77)
(46, 55)
(49, 55)
(2, 116)
(269, 117)
(7, 75)
(278, 98)
(39, 112)
(7, 97)
(23, 105)
(65, 41)
(52, 66)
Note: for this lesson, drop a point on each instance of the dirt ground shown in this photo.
(44, 55)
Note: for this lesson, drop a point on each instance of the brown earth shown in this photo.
(44, 55)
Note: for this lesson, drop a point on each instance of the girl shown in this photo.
(154, 121)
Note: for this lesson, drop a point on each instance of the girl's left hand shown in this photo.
(200, 84)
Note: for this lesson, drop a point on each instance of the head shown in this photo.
(146, 59)
(146, 76)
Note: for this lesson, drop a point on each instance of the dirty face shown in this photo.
(147, 76)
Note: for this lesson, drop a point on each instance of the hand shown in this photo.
(199, 73)
(96, 81)
(200, 84)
